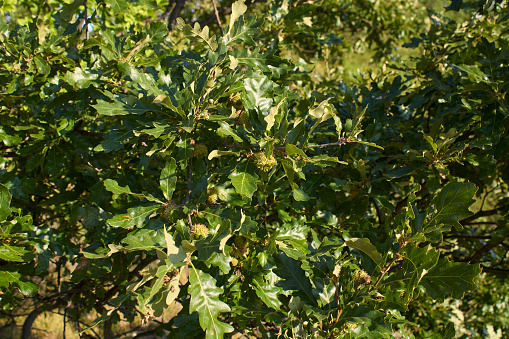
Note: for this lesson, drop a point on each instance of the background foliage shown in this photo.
(240, 178)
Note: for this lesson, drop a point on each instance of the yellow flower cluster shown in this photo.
(264, 163)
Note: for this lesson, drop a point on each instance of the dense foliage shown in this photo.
(227, 176)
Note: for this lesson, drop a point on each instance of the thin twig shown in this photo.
(494, 270)
(340, 142)
(87, 32)
(384, 270)
(217, 17)
(465, 236)
(188, 194)
(381, 218)
(479, 215)
(477, 256)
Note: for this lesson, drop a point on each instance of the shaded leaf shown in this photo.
(293, 277)
(450, 278)
(5, 202)
(451, 205)
(212, 243)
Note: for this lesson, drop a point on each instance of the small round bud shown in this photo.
(235, 100)
(199, 230)
(242, 119)
(240, 242)
(200, 150)
(361, 278)
(167, 208)
(213, 195)
(264, 163)
(211, 101)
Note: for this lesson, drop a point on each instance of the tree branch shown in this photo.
(381, 218)
(175, 12)
(483, 250)
(465, 236)
(480, 214)
(494, 270)
(211, 18)
(189, 181)
(217, 17)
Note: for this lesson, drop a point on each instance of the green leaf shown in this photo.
(114, 141)
(146, 81)
(256, 89)
(293, 277)
(113, 186)
(300, 195)
(5, 202)
(143, 239)
(68, 10)
(120, 108)
(455, 5)
(242, 31)
(13, 253)
(294, 150)
(244, 182)
(212, 243)
(364, 245)
(79, 78)
(450, 278)
(9, 276)
(118, 6)
(217, 153)
(238, 9)
(135, 216)
(366, 143)
(227, 130)
(266, 289)
(205, 300)
(197, 32)
(449, 332)
(473, 72)
(451, 205)
(158, 283)
(252, 59)
(176, 255)
(168, 178)
(42, 65)
(418, 261)
(292, 240)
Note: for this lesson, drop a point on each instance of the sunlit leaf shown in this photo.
(205, 300)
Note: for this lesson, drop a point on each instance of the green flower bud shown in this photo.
(264, 163)
(200, 150)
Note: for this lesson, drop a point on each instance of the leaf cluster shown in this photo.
(213, 177)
